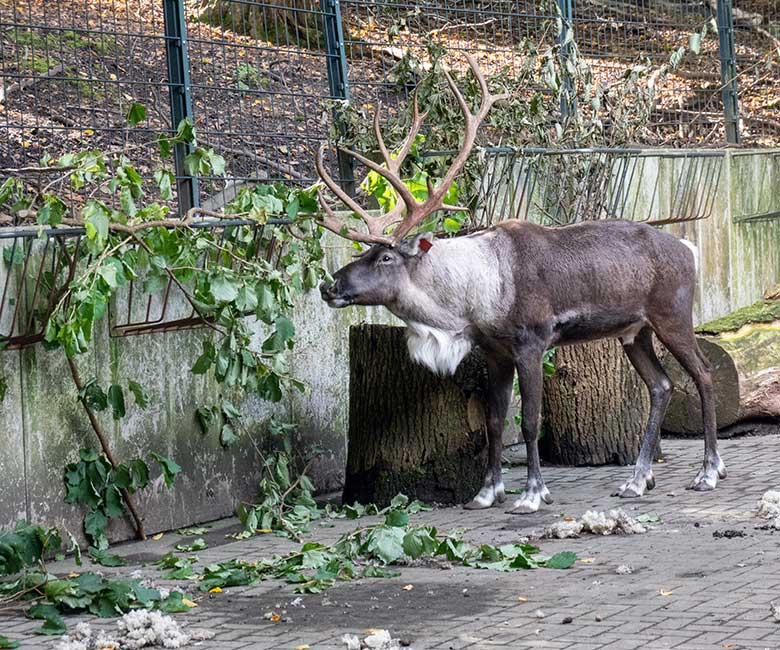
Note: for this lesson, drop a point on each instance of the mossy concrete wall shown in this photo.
(42, 426)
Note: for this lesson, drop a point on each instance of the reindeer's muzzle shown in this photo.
(333, 294)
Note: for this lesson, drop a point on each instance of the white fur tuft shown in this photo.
(695, 250)
(439, 350)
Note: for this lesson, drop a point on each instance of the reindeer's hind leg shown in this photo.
(678, 337)
(501, 373)
(642, 356)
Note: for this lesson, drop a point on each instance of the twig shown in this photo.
(139, 524)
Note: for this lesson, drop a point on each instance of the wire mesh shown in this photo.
(260, 69)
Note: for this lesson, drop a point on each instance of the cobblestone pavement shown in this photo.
(690, 589)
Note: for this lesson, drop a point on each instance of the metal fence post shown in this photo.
(728, 71)
(336, 58)
(180, 96)
(568, 99)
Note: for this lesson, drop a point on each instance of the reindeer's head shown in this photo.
(378, 276)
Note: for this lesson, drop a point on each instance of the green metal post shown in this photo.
(336, 58)
(180, 96)
(728, 71)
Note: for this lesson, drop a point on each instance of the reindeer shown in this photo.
(517, 289)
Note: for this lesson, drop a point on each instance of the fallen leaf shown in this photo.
(520, 599)
(73, 574)
(88, 132)
(301, 647)
(666, 593)
(263, 530)
(588, 560)
(407, 587)
(275, 617)
(215, 590)
(372, 630)
(569, 518)
(157, 537)
(188, 602)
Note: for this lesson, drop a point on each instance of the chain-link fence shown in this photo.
(253, 74)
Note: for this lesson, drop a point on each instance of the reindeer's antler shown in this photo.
(408, 211)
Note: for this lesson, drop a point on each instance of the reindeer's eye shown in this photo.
(386, 258)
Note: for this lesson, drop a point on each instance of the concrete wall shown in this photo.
(42, 426)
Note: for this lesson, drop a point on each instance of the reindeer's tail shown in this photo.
(695, 250)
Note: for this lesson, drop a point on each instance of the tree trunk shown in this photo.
(595, 407)
(287, 22)
(743, 349)
(410, 430)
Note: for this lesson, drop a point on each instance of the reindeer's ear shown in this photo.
(420, 245)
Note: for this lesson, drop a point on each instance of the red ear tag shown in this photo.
(425, 245)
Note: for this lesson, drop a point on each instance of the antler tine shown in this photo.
(337, 226)
(333, 223)
(380, 140)
(417, 122)
(488, 98)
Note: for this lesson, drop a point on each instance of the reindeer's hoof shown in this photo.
(636, 486)
(487, 497)
(530, 502)
(707, 478)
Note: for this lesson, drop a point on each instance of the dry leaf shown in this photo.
(666, 593)
(263, 530)
(157, 537)
(588, 560)
(73, 574)
(407, 587)
(570, 519)
(215, 590)
(301, 647)
(520, 599)
(275, 617)
(372, 630)
(188, 602)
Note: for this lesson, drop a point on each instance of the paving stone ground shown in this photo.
(690, 589)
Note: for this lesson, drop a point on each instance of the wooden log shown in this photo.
(595, 407)
(743, 349)
(410, 430)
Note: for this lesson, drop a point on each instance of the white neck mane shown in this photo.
(440, 350)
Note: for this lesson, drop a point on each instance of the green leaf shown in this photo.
(96, 399)
(396, 518)
(7, 644)
(420, 542)
(136, 113)
(169, 468)
(139, 393)
(116, 397)
(562, 560)
(387, 543)
(205, 418)
(105, 559)
(174, 603)
(197, 545)
(164, 179)
(52, 621)
(227, 436)
(95, 524)
(202, 365)
(223, 289)
(14, 254)
(96, 216)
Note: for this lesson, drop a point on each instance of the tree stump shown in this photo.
(595, 407)
(743, 349)
(411, 430)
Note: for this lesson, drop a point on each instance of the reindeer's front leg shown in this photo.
(529, 375)
(501, 372)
